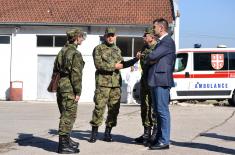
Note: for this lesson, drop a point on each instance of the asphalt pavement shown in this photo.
(30, 128)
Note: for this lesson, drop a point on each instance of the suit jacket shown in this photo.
(162, 61)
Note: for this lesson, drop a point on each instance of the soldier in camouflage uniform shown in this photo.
(146, 102)
(69, 63)
(107, 58)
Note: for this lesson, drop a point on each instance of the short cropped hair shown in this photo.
(163, 22)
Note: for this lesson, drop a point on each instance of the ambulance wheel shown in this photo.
(232, 100)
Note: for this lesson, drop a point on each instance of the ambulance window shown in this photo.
(210, 61)
(181, 62)
(231, 61)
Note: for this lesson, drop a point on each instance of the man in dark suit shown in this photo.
(160, 79)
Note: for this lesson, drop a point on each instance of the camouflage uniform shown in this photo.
(69, 63)
(147, 115)
(108, 83)
(145, 95)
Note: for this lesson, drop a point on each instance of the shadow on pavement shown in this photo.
(215, 135)
(39, 142)
(208, 147)
(85, 135)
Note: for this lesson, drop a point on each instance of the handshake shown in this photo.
(125, 64)
(139, 55)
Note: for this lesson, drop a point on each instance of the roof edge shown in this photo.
(68, 24)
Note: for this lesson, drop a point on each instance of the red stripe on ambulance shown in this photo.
(215, 75)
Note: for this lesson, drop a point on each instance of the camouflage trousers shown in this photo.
(110, 97)
(68, 112)
(146, 107)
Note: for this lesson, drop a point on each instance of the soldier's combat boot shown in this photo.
(154, 135)
(73, 143)
(94, 132)
(65, 147)
(146, 136)
(107, 134)
(139, 139)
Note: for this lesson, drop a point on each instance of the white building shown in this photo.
(32, 32)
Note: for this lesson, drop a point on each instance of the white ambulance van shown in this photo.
(204, 74)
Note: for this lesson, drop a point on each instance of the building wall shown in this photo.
(22, 60)
(5, 60)
(24, 63)
(88, 72)
(25, 59)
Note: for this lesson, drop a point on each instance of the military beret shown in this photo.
(74, 32)
(149, 30)
(109, 30)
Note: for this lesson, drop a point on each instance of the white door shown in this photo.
(45, 67)
(5, 60)
(182, 76)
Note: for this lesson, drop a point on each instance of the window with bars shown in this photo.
(51, 41)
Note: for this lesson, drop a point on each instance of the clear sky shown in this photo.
(208, 22)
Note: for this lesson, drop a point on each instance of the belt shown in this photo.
(64, 75)
(102, 72)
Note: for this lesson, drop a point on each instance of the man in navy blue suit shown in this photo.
(160, 80)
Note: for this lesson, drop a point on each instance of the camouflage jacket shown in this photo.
(145, 51)
(105, 57)
(70, 64)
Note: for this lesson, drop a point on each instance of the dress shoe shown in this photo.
(159, 146)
